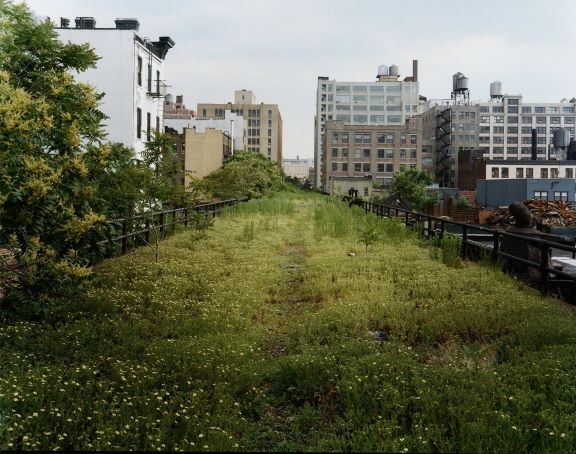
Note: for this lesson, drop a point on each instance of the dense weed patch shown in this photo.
(279, 330)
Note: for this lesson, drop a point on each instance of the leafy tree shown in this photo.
(245, 173)
(48, 123)
(411, 184)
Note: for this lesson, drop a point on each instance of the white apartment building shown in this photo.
(387, 101)
(130, 72)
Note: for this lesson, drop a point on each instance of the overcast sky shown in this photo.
(278, 48)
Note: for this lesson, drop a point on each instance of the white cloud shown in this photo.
(278, 48)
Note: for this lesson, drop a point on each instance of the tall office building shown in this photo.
(467, 135)
(262, 122)
(387, 101)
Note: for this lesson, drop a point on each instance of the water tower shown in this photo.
(460, 92)
(496, 90)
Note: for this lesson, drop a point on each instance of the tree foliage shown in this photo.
(411, 184)
(244, 174)
(50, 145)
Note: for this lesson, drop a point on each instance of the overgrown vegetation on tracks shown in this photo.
(281, 329)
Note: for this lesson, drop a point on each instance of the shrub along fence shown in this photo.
(125, 234)
(477, 242)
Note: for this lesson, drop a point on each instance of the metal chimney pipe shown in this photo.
(414, 70)
(534, 141)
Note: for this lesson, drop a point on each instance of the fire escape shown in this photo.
(443, 146)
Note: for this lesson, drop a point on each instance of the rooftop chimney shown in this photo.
(127, 24)
(85, 22)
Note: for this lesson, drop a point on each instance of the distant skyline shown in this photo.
(278, 48)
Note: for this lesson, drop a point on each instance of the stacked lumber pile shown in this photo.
(548, 214)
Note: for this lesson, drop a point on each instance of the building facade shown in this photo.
(262, 122)
(387, 101)
(376, 150)
(518, 180)
(204, 152)
(297, 168)
(176, 115)
(466, 135)
(131, 74)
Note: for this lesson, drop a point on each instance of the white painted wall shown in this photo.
(116, 76)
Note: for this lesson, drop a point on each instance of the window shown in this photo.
(498, 119)
(555, 120)
(498, 129)
(519, 172)
(484, 130)
(389, 153)
(380, 152)
(512, 129)
(512, 109)
(553, 110)
(530, 172)
(569, 173)
(498, 139)
(513, 119)
(567, 109)
(561, 195)
(148, 121)
(504, 173)
(334, 137)
(389, 168)
(413, 138)
(498, 109)
(539, 109)
(554, 172)
(138, 123)
(526, 109)
(543, 173)
(541, 130)
(541, 120)
(344, 137)
(344, 167)
(357, 137)
(366, 138)
(412, 153)
(357, 153)
(568, 120)
(366, 167)
(541, 195)
(357, 167)
(381, 137)
(402, 138)
(366, 152)
(495, 172)
(334, 167)
(149, 78)
(334, 152)
(527, 120)
(390, 138)
(526, 130)
(342, 89)
(511, 139)
(139, 71)
(512, 101)
(380, 168)
(344, 152)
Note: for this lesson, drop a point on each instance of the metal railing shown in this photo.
(476, 238)
(135, 231)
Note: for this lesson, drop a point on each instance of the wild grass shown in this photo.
(259, 336)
